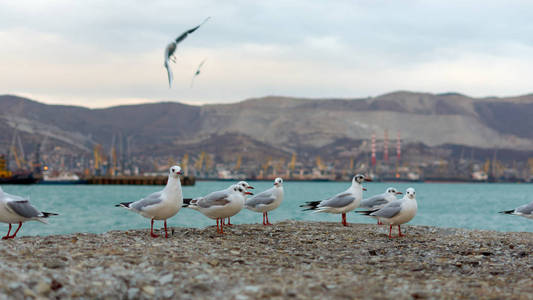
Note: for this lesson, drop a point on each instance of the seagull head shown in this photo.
(393, 191)
(240, 190)
(360, 178)
(175, 171)
(278, 182)
(410, 193)
(245, 185)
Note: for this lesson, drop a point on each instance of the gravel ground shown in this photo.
(299, 260)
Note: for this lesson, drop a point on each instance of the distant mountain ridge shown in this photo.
(280, 124)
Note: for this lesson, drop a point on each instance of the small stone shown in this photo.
(42, 287)
(166, 279)
(148, 289)
(132, 293)
(168, 293)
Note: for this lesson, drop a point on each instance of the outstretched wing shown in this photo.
(169, 73)
(187, 32)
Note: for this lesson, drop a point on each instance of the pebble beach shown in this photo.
(290, 260)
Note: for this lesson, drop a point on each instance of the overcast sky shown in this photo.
(102, 53)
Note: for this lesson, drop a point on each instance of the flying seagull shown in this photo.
(197, 71)
(171, 48)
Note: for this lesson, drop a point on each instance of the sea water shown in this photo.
(91, 208)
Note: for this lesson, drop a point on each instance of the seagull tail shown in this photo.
(310, 205)
(124, 204)
(508, 212)
(48, 214)
(365, 212)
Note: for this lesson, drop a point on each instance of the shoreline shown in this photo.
(292, 259)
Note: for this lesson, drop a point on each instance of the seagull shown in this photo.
(171, 48)
(525, 211)
(246, 187)
(15, 209)
(378, 201)
(197, 71)
(160, 205)
(342, 202)
(396, 212)
(220, 204)
(267, 200)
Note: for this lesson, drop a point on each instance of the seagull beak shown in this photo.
(399, 193)
(249, 193)
(368, 179)
(364, 189)
(251, 187)
(179, 173)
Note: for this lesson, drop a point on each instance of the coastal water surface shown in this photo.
(90, 208)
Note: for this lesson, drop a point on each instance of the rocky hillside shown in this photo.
(277, 125)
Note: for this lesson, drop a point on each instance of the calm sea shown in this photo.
(90, 208)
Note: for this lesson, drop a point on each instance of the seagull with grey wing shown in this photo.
(220, 204)
(197, 71)
(160, 205)
(170, 50)
(342, 202)
(15, 209)
(525, 211)
(378, 201)
(246, 186)
(397, 212)
(267, 200)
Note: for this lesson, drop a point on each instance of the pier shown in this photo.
(137, 180)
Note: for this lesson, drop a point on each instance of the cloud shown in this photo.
(100, 53)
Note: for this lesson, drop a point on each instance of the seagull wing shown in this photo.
(338, 201)
(169, 73)
(187, 32)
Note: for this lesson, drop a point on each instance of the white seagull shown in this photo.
(378, 201)
(342, 202)
(15, 209)
(171, 49)
(246, 187)
(397, 212)
(160, 205)
(525, 211)
(220, 204)
(267, 200)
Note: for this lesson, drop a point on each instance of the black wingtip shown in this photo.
(187, 201)
(509, 212)
(48, 214)
(365, 212)
(124, 204)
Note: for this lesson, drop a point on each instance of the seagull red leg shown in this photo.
(15, 234)
(268, 222)
(390, 232)
(152, 230)
(400, 231)
(229, 222)
(264, 219)
(221, 227)
(344, 219)
(166, 234)
(8, 231)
